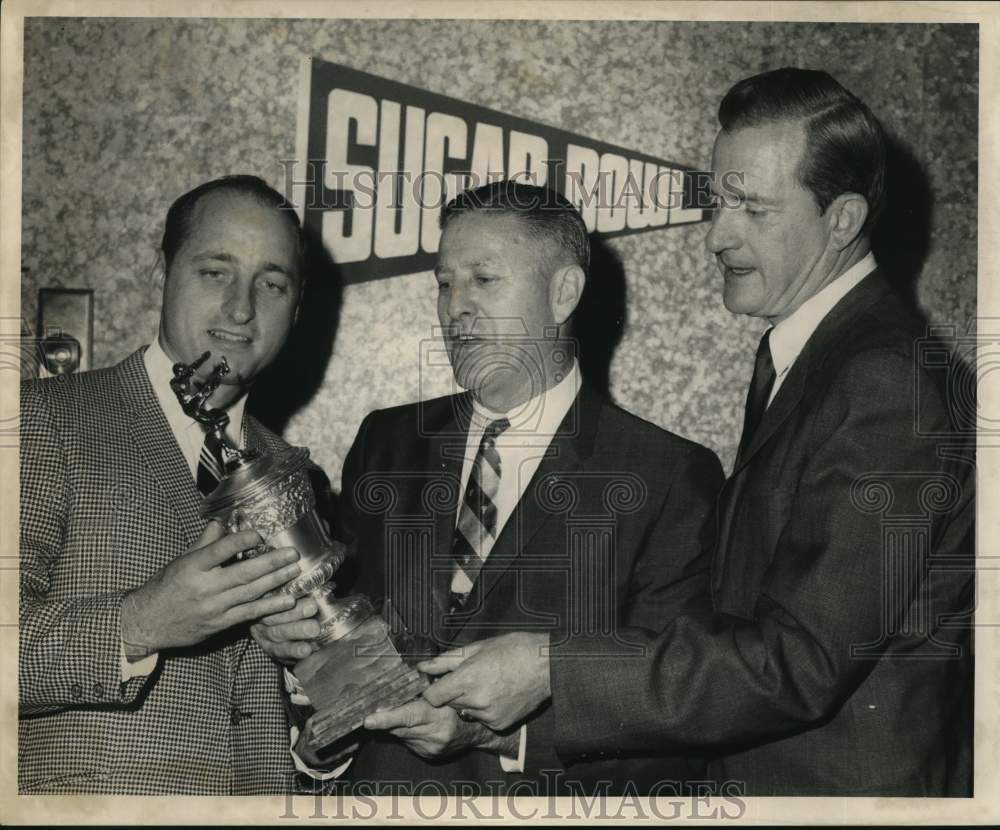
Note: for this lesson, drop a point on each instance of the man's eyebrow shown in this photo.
(732, 187)
(750, 196)
(478, 263)
(222, 256)
(281, 269)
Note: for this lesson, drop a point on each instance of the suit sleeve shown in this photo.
(671, 575)
(70, 649)
(712, 681)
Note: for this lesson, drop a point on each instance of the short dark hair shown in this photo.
(545, 213)
(845, 144)
(181, 212)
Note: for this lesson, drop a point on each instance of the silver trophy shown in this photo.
(358, 666)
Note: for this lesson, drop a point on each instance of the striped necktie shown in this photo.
(477, 517)
(211, 467)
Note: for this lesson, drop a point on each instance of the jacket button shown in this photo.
(98, 690)
(76, 690)
(235, 716)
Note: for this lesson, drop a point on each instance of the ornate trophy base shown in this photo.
(354, 676)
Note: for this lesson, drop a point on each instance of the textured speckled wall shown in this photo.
(122, 115)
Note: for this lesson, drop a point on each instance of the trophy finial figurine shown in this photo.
(194, 401)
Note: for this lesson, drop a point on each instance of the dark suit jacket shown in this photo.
(107, 499)
(830, 665)
(607, 532)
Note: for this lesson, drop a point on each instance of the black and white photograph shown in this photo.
(448, 412)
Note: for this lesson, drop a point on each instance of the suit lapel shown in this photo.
(570, 448)
(166, 464)
(445, 453)
(818, 347)
(871, 289)
(784, 403)
(157, 446)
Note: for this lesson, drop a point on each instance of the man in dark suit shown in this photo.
(528, 502)
(838, 658)
(134, 675)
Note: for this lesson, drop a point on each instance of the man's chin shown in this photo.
(227, 393)
(736, 300)
(474, 367)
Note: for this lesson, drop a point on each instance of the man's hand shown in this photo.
(287, 637)
(194, 597)
(437, 733)
(498, 681)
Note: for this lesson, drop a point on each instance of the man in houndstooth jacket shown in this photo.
(136, 675)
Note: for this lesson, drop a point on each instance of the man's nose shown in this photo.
(722, 234)
(240, 303)
(459, 303)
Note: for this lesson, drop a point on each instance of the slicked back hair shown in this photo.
(845, 145)
(181, 212)
(544, 213)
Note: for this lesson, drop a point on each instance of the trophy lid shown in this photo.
(252, 479)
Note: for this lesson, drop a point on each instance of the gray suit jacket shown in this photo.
(839, 657)
(107, 500)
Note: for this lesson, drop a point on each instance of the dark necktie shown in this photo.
(758, 393)
(477, 517)
(211, 467)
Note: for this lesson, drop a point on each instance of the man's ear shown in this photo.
(847, 214)
(160, 271)
(565, 290)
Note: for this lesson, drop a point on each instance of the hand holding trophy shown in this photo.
(358, 667)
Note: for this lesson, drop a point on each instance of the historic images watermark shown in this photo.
(430, 800)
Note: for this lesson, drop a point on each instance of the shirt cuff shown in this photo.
(508, 764)
(319, 775)
(139, 668)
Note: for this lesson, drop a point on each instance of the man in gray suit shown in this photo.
(135, 675)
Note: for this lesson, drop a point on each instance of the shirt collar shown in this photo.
(789, 337)
(540, 415)
(160, 369)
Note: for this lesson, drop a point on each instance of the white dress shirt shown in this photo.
(521, 448)
(523, 445)
(789, 337)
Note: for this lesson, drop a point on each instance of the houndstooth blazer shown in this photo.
(107, 500)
